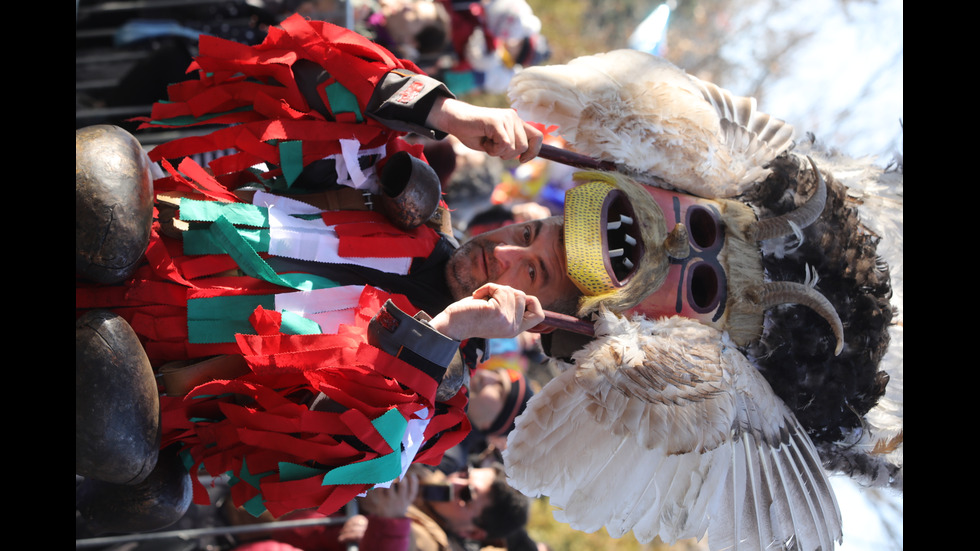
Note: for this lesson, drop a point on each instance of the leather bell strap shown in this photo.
(344, 198)
(360, 234)
(217, 319)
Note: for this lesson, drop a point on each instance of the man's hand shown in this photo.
(493, 311)
(499, 132)
(353, 529)
(391, 502)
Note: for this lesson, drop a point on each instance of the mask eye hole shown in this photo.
(704, 287)
(703, 227)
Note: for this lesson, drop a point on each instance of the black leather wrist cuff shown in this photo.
(412, 340)
(403, 99)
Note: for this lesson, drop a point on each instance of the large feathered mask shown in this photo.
(682, 417)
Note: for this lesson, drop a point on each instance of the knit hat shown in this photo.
(518, 393)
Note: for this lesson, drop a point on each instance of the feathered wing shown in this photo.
(664, 429)
(649, 116)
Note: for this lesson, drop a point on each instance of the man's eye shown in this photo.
(527, 235)
(531, 272)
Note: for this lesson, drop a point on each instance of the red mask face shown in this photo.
(602, 256)
(696, 286)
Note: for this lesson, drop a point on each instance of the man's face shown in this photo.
(529, 257)
(488, 391)
(404, 19)
(459, 515)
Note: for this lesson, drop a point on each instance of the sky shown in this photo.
(843, 82)
(872, 519)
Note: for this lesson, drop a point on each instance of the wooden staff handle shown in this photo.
(568, 323)
(573, 159)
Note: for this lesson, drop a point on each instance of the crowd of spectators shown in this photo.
(125, 58)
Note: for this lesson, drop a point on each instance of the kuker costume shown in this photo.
(323, 387)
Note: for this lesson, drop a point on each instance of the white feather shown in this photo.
(645, 114)
(647, 436)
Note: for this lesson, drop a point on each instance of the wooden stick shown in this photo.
(568, 323)
(573, 159)
(577, 160)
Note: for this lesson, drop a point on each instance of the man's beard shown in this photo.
(460, 268)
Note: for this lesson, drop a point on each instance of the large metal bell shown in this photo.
(157, 502)
(113, 203)
(117, 404)
(410, 190)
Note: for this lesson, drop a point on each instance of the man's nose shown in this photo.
(508, 255)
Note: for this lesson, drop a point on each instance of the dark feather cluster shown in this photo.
(829, 394)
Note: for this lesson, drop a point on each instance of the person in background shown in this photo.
(491, 41)
(496, 397)
(417, 30)
(427, 510)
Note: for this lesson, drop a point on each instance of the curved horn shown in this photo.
(767, 295)
(802, 217)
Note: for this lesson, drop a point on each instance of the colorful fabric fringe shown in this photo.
(285, 456)
(252, 90)
(259, 427)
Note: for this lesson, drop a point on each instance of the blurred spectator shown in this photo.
(491, 40)
(497, 395)
(333, 11)
(471, 184)
(417, 30)
(475, 505)
(490, 219)
(501, 215)
(484, 506)
(471, 45)
(128, 55)
(518, 541)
